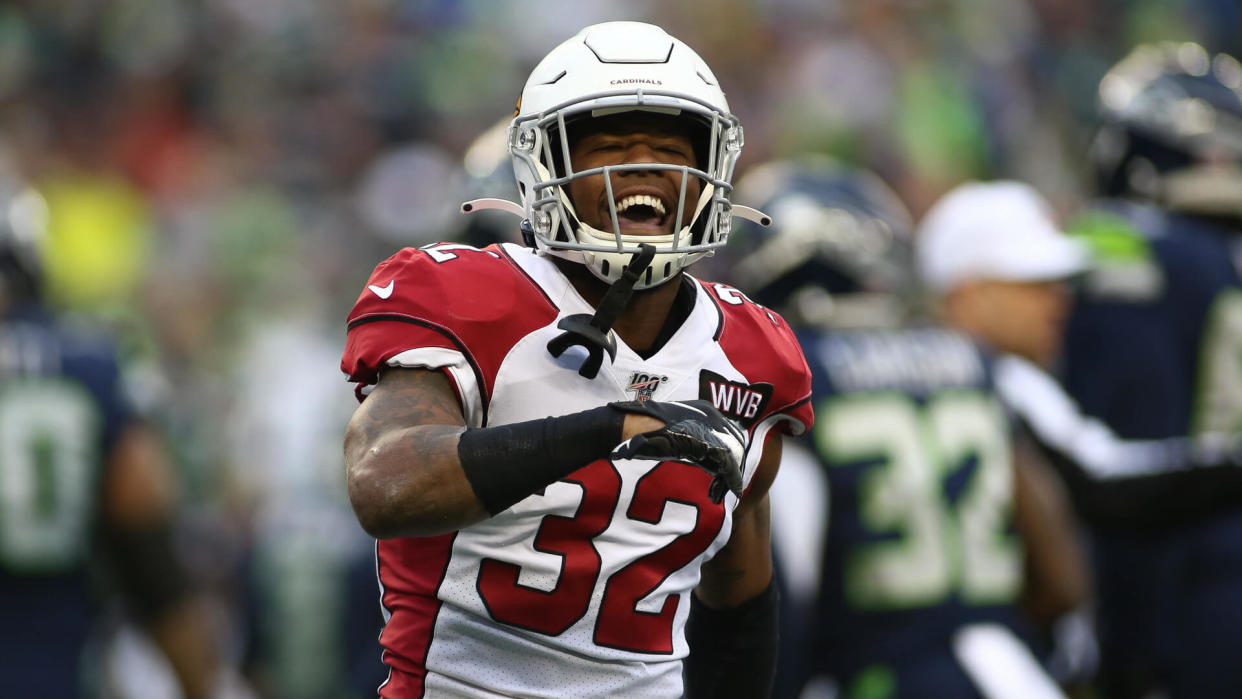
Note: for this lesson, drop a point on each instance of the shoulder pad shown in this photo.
(471, 300)
(1111, 237)
(763, 347)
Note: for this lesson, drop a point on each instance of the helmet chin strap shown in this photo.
(594, 332)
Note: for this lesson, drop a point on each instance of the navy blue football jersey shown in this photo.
(1152, 344)
(917, 539)
(61, 410)
(1154, 350)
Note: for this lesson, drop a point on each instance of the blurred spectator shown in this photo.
(998, 267)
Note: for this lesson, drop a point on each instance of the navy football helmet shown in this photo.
(838, 252)
(23, 230)
(1171, 129)
(489, 185)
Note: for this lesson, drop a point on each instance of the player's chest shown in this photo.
(531, 383)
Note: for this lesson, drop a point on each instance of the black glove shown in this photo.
(694, 433)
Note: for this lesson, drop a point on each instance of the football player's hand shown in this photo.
(694, 433)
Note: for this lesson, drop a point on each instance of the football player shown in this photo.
(998, 264)
(907, 530)
(84, 488)
(1153, 351)
(564, 449)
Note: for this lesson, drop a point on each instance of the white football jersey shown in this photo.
(585, 584)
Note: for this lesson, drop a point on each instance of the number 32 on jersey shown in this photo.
(620, 624)
(927, 547)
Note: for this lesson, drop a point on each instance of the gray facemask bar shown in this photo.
(549, 194)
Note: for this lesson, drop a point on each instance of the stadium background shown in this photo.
(223, 174)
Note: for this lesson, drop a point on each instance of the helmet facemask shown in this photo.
(635, 73)
(541, 146)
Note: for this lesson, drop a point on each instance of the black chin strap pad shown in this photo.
(580, 330)
(595, 332)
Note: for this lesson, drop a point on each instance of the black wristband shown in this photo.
(733, 651)
(506, 463)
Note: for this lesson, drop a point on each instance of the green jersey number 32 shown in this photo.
(934, 547)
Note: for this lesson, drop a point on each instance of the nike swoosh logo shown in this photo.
(383, 291)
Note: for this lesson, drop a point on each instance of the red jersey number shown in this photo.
(570, 538)
(620, 624)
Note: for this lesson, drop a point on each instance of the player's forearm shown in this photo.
(733, 652)
(743, 568)
(183, 633)
(732, 628)
(409, 482)
(434, 479)
(1057, 578)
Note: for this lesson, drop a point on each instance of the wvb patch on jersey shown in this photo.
(644, 385)
(744, 402)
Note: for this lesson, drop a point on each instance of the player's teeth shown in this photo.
(641, 200)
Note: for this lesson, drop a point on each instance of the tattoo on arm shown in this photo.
(404, 398)
(408, 397)
(743, 568)
(401, 457)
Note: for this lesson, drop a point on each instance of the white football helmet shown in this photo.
(605, 69)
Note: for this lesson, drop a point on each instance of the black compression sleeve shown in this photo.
(733, 651)
(1151, 502)
(1147, 503)
(506, 463)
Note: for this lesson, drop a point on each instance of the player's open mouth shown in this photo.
(641, 213)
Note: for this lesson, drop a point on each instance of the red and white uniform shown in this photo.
(584, 586)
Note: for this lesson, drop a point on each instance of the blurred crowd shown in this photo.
(222, 175)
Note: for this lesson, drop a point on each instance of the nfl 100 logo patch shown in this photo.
(643, 385)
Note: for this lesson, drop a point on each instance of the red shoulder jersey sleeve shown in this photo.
(761, 345)
(473, 301)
